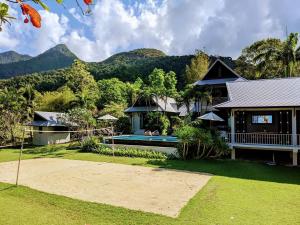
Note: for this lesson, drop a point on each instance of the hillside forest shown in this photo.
(88, 90)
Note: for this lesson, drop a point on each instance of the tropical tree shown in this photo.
(12, 107)
(198, 67)
(57, 101)
(31, 14)
(134, 90)
(29, 94)
(271, 57)
(112, 90)
(157, 83)
(4, 16)
(186, 96)
(289, 54)
(186, 136)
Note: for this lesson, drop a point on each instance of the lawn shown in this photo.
(239, 193)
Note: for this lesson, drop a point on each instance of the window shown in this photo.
(262, 119)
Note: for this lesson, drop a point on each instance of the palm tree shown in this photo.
(290, 53)
(273, 50)
(186, 97)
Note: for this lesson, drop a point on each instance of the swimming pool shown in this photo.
(146, 140)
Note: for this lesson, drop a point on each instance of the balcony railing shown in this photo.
(263, 139)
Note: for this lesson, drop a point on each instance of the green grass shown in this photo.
(239, 193)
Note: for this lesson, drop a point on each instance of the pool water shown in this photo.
(146, 138)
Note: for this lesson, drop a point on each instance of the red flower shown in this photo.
(35, 17)
(88, 2)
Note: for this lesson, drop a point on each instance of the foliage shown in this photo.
(12, 104)
(112, 91)
(114, 109)
(58, 101)
(129, 152)
(198, 67)
(80, 118)
(4, 16)
(157, 121)
(270, 58)
(185, 135)
(124, 125)
(134, 90)
(200, 143)
(90, 144)
(30, 13)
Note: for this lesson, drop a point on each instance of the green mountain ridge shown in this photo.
(126, 66)
(55, 58)
(12, 56)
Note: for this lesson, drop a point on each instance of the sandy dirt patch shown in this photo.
(153, 190)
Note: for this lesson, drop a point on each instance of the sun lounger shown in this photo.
(148, 133)
(155, 133)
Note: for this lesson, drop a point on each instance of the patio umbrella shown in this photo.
(211, 117)
(110, 118)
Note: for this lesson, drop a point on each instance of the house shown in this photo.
(138, 112)
(48, 128)
(264, 115)
(214, 83)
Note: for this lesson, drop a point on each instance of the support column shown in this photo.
(294, 128)
(232, 127)
(295, 157)
(232, 153)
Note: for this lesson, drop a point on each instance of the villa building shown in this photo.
(258, 114)
(264, 115)
(141, 107)
(49, 129)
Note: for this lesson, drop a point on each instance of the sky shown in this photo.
(177, 27)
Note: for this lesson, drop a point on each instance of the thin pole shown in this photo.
(112, 139)
(20, 156)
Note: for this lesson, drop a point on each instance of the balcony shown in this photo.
(263, 139)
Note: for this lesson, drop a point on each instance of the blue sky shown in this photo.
(177, 27)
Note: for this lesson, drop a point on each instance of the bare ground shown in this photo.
(153, 190)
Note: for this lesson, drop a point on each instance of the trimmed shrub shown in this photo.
(130, 152)
(90, 144)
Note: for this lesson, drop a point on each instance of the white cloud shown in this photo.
(223, 27)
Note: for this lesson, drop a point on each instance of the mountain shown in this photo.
(12, 56)
(55, 58)
(127, 66)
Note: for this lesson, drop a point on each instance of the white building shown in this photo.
(49, 129)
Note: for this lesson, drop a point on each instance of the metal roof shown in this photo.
(162, 105)
(218, 81)
(284, 92)
(49, 119)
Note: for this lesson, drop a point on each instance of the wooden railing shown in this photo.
(262, 139)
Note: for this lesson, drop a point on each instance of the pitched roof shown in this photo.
(284, 92)
(218, 81)
(162, 105)
(230, 75)
(47, 119)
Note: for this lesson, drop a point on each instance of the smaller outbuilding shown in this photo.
(48, 128)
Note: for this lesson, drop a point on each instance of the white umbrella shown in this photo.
(108, 117)
(211, 117)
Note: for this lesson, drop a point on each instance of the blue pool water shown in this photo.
(146, 138)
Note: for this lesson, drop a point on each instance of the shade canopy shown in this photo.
(211, 117)
(107, 117)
